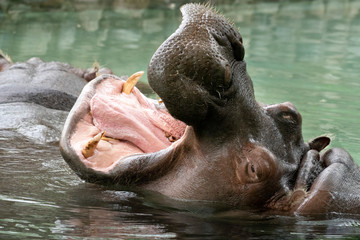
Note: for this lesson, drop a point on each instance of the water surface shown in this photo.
(306, 52)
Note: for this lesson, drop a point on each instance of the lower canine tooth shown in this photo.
(90, 147)
(171, 139)
(131, 81)
(96, 67)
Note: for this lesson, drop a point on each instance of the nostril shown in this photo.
(239, 51)
(235, 43)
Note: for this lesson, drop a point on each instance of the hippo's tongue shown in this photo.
(134, 118)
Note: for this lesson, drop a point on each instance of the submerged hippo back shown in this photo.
(50, 84)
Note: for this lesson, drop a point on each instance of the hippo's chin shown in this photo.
(118, 125)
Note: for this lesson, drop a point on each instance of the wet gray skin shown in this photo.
(234, 150)
(35, 96)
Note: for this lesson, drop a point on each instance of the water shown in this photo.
(306, 52)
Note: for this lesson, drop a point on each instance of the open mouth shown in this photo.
(121, 122)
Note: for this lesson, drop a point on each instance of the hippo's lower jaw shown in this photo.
(113, 125)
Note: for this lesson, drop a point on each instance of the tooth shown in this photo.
(90, 147)
(131, 81)
(170, 137)
(96, 67)
(107, 138)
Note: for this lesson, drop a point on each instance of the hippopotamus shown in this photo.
(207, 138)
(36, 96)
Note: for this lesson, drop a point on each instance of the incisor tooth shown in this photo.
(131, 81)
(90, 147)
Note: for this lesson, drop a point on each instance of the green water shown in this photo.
(305, 52)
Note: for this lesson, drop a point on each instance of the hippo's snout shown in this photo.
(200, 66)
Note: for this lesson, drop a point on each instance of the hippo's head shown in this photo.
(233, 150)
(200, 74)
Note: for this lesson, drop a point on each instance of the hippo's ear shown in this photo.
(319, 143)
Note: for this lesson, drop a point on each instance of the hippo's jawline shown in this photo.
(132, 124)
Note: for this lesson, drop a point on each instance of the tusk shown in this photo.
(96, 67)
(131, 81)
(5, 56)
(107, 138)
(90, 147)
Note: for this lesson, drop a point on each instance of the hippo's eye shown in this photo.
(289, 117)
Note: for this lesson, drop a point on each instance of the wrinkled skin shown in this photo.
(234, 150)
(35, 96)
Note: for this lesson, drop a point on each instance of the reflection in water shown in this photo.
(306, 52)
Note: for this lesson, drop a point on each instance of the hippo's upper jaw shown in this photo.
(218, 144)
